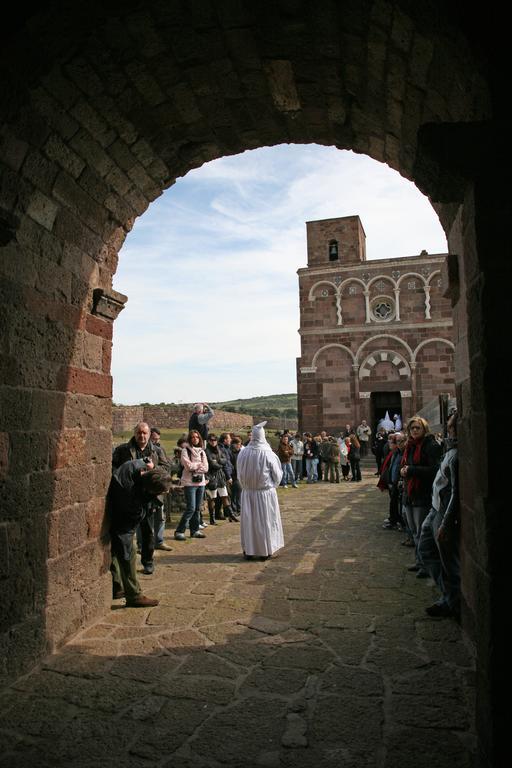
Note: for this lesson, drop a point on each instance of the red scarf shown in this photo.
(413, 447)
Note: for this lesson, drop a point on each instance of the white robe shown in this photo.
(259, 471)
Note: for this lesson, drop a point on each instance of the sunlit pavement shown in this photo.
(321, 656)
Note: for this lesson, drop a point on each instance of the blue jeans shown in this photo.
(288, 476)
(441, 560)
(311, 465)
(194, 498)
(297, 468)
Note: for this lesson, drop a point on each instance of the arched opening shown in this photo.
(118, 104)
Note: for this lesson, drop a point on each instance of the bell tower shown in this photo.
(336, 242)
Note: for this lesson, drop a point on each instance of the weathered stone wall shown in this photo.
(103, 107)
(124, 417)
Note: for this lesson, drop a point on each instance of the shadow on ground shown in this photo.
(321, 657)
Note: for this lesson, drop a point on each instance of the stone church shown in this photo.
(376, 336)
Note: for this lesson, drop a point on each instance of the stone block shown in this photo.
(85, 382)
(43, 210)
(106, 360)
(60, 623)
(29, 452)
(72, 527)
(40, 172)
(82, 205)
(92, 152)
(81, 483)
(96, 517)
(68, 448)
(20, 646)
(58, 151)
(47, 412)
(86, 411)
(93, 352)
(12, 150)
(49, 490)
(15, 408)
(98, 446)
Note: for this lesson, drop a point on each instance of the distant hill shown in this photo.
(260, 408)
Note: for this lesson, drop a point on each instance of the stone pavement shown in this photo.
(321, 656)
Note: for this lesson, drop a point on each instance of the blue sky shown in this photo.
(210, 268)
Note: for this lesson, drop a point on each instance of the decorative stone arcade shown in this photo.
(103, 106)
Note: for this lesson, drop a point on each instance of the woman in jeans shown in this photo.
(355, 458)
(195, 467)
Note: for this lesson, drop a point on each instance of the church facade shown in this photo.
(376, 336)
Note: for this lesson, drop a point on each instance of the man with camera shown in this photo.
(141, 447)
(199, 420)
(133, 487)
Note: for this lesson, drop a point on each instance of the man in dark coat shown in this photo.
(133, 488)
(199, 420)
(141, 447)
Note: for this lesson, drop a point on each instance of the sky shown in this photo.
(210, 268)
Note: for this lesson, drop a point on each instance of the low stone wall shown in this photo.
(125, 417)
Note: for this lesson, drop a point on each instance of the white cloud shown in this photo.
(210, 269)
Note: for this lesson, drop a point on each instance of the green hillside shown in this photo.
(267, 406)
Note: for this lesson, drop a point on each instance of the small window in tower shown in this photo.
(333, 250)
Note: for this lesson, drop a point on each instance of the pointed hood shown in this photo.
(258, 439)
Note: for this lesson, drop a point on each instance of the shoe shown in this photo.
(390, 526)
(118, 594)
(164, 546)
(179, 536)
(407, 543)
(204, 524)
(422, 574)
(233, 519)
(413, 567)
(140, 601)
(284, 486)
(439, 609)
(201, 526)
(148, 569)
(295, 485)
(212, 521)
(198, 535)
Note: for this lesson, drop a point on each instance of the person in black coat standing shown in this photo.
(134, 487)
(420, 462)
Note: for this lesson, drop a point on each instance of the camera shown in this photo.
(147, 459)
(197, 478)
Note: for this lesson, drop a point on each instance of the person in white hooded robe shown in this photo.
(259, 472)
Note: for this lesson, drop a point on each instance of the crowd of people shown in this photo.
(226, 477)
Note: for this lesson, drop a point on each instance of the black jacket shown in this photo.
(127, 502)
(424, 471)
(216, 463)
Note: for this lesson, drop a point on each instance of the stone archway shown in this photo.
(103, 107)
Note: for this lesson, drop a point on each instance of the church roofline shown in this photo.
(363, 266)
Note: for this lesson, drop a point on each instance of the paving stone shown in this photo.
(322, 656)
(277, 681)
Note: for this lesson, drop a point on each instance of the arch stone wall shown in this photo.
(103, 106)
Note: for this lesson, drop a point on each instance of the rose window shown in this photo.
(383, 309)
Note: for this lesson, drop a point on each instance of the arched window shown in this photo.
(333, 250)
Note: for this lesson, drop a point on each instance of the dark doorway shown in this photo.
(384, 401)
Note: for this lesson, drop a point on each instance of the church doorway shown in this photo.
(382, 402)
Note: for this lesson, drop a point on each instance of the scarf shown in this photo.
(412, 455)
